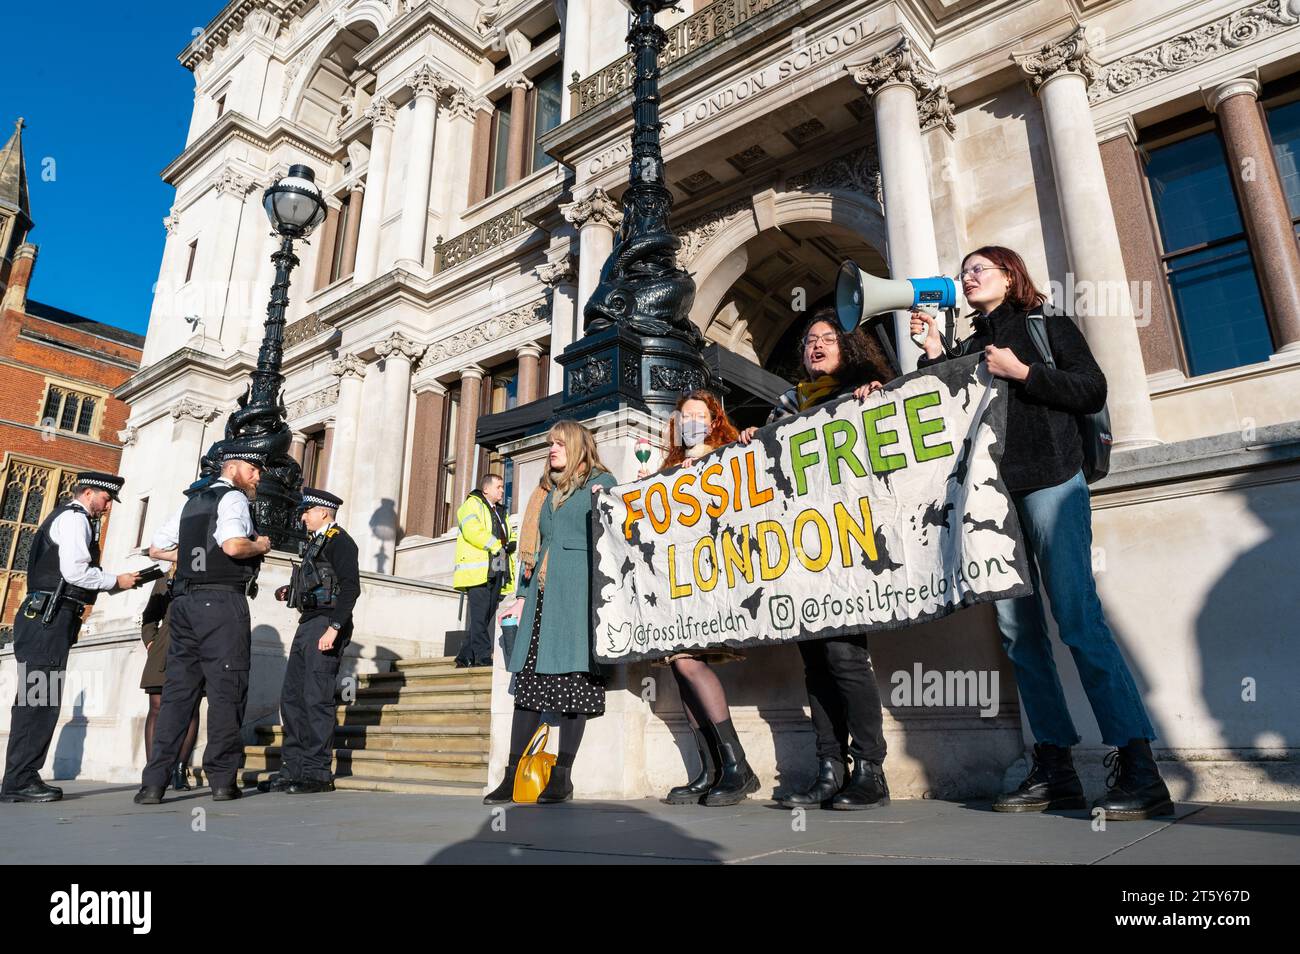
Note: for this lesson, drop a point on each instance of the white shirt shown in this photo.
(70, 531)
(234, 519)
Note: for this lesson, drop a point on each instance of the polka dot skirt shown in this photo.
(564, 692)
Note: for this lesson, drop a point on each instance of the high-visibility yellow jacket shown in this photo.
(476, 542)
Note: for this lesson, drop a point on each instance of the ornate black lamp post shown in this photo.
(295, 207)
(640, 347)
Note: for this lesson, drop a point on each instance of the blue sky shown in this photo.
(107, 106)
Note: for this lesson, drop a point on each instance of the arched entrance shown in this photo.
(755, 286)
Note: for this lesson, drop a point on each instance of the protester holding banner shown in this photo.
(1042, 469)
(697, 427)
(841, 682)
(556, 671)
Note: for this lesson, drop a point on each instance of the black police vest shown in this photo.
(198, 521)
(43, 561)
(315, 582)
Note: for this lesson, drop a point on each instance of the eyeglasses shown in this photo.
(825, 340)
(978, 270)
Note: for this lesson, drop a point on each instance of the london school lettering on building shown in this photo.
(854, 516)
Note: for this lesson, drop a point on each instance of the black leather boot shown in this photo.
(1135, 789)
(1051, 785)
(504, 793)
(735, 778)
(866, 789)
(695, 790)
(148, 795)
(278, 782)
(558, 787)
(181, 778)
(36, 791)
(830, 779)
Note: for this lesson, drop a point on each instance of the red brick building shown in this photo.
(57, 374)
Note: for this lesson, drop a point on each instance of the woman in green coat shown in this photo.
(556, 671)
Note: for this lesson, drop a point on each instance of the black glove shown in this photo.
(510, 548)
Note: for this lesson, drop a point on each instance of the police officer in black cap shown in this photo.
(218, 552)
(63, 578)
(324, 589)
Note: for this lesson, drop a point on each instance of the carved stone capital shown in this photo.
(894, 67)
(186, 407)
(1069, 55)
(520, 82)
(235, 182)
(397, 344)
(348, 366)
(127, 435)
(557, 273)
(934, 109)
(381, 112)
(597, 208)
(172, 222)
(460, 104)
(426, 81)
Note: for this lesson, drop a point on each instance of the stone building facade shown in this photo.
(1140, 155)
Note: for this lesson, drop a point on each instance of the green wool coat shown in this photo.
(564, 643)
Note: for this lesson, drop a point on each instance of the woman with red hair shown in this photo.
(698, 427)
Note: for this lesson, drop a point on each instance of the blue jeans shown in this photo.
(1056, 523)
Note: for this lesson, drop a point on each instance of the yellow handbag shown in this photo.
(534, 769)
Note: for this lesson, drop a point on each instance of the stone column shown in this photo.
(1059, 73)
(426, 84)
(517, 156)
(382, 116)
(298, 447)
(327, 448)
(325, 243)
(526, 389)
(577, 42)
(1264, 209)
(352, 233)
(471, 383)
(478, 157)
(382, 495)
(350, 370)
(564, 315)
(426, 455)
(894, 81)
(596, 217)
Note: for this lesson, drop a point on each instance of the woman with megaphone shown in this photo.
(1042, 468)
(841, 682)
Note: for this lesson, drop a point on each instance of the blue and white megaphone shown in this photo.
(859, 295)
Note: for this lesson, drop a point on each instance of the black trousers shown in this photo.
(211, 643)
(41, 653)
(844, 698)
(483, 602)
(307, 705)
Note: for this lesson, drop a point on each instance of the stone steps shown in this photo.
(421, 729)
(403, 766)
(444, 738)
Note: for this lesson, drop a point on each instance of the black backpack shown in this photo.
(1093, 428)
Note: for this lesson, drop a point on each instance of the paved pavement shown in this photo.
(98, 823)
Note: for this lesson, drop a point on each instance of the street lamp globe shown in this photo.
(294, 204)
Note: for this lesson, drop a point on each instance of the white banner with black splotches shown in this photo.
(852, 517)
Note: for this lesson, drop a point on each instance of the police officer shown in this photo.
(324, 589)
(63, 578)
(220, 552)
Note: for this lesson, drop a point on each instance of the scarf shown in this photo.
(815, 391)
(530, 537)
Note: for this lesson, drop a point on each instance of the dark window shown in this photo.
(221, 105)
(69, 416)
(1284, 126)
(53, 401)
(499, 156)
(87, 415)
(189, 265)
(547, 90)
(336, 264)
(445, 516)
(1208, 263)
